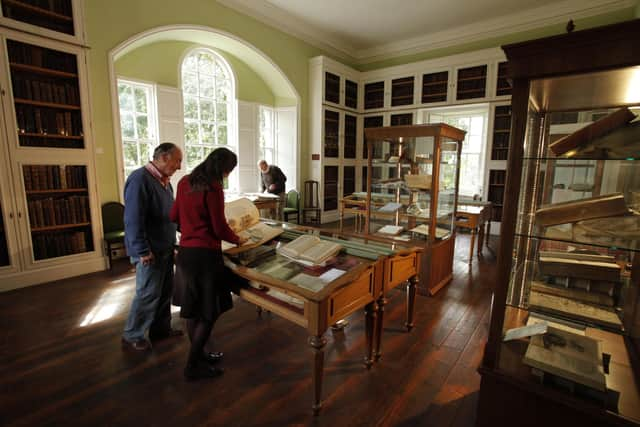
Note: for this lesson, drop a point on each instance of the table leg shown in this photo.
(480, 238)
(370, 331)
(411, 298)
(317, 342)
(473, 242)
(488, 233)
(382, 301)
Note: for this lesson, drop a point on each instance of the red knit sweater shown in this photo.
(200, 216)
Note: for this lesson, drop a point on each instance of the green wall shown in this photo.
(160, 63)
(110, 23)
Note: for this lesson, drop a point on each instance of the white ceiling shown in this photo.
(368, 30)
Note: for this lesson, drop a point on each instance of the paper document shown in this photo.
(525, 331)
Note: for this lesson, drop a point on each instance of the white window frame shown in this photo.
(152, 125)
(231, 117)
(265, 133)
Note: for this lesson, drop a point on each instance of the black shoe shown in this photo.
(139, 346)
(212, 357)
(202, 371)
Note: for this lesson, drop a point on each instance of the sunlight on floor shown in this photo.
(106, 306)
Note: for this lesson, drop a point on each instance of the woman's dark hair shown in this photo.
(213, 168)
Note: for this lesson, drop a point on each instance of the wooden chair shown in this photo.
(311, 210)
(113, 226)
(292, 206)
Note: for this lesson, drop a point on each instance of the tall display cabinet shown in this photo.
(50, 215)
(569, 255)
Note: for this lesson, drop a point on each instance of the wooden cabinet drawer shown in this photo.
(357, 294)
(400, 269)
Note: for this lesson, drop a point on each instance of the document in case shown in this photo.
(525, 331)
(390, 207)
(244, 219)
(310, 248)
(391, 229)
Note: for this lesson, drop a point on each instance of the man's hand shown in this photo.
(147, 259)
(272, 187)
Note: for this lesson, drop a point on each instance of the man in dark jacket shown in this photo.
(149, 238)
(272, 181)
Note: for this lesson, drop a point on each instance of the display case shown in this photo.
(412, 191)
(565, 322)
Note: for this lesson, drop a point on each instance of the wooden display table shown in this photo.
(475, 218)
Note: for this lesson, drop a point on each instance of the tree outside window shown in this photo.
(137, 123)
(471, 159)
(266, 134)
(207, 89)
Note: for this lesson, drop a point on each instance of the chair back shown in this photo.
(311, 194)
(293, 199)
(112, 217)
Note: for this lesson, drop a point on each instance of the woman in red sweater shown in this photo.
(199, 213)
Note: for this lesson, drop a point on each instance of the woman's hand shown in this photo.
(242, 240)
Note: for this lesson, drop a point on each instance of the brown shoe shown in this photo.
(170, 333)
(137, 345)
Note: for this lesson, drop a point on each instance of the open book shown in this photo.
(310, 248)
(243, 218)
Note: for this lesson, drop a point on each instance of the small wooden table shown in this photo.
(474, 218)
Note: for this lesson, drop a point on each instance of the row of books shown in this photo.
(60, 211)
(62, 7)
(23, 53)
(54, 177)
(48, 122)
(57, 92)
(58, 244)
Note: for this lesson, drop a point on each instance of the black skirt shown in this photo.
(201, 283)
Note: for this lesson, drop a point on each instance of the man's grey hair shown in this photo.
(260, 162)
(164, 148)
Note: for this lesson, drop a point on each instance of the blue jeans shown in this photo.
(151, 305)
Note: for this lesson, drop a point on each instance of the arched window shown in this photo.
(208, 90)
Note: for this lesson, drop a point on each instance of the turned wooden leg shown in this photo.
(317, 342)
(480, 238)
(411, 298)
(382, 301)
(370, 311)
(488, 232)
(473, 242)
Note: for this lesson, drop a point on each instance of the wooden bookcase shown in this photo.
(351, 94)
(4, 248)
(348, 180)
(497, 179)
(402, 91)
(471, 82)
(330, 187)
(503, 86)
(435, 87)
(501, 132)
(331, 87)
(331, 130)
(56, 15)
(374, 95)
(403, 119)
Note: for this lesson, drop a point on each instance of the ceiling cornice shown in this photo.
(534, 18)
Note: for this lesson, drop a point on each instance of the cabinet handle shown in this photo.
(19, 214)
(11, 215)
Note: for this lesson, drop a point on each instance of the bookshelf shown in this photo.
(497, 179)
(351, 94)
(46, 96)
(501, 132)
(435, 87)
(4, 248)
(369, 122)
(404, 119)
(503, 86)
(402, 91)
(471, 82)
(331, 88)
(55, 15)
(330, 187)
(350, 136)
(374, 95)
(331, 129)
(348, 180)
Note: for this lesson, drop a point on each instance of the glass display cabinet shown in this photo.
(412, 190)
(563, 339)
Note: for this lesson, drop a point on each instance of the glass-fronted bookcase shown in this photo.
(565, 323)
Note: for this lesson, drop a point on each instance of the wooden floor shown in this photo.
(61, 363)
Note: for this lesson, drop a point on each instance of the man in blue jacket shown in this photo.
(149, 238)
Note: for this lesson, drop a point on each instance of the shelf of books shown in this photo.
(56, 15)
(501, 132)
(471, 83)
(4, 249)
(59, 209)
(46, 96)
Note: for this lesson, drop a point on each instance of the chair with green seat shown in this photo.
(113, 226)
(293, 205)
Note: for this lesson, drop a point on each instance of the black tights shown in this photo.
(199, 331)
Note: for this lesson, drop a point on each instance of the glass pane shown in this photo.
(190, 108)
(190, 63)
(206, 86)
(190, 83)
(130, 154)
(223, 90)
(141, 100)
(191, 133)
(206, 151)
(126, 124)
(206, 111)
(205, 63)
(208, 133)
(473, 144)
(221, 74)
(476, 125)
(143, 127)
(145, 153)
(222, 135)
(194, 154)
(221, 113)
(125, 97)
